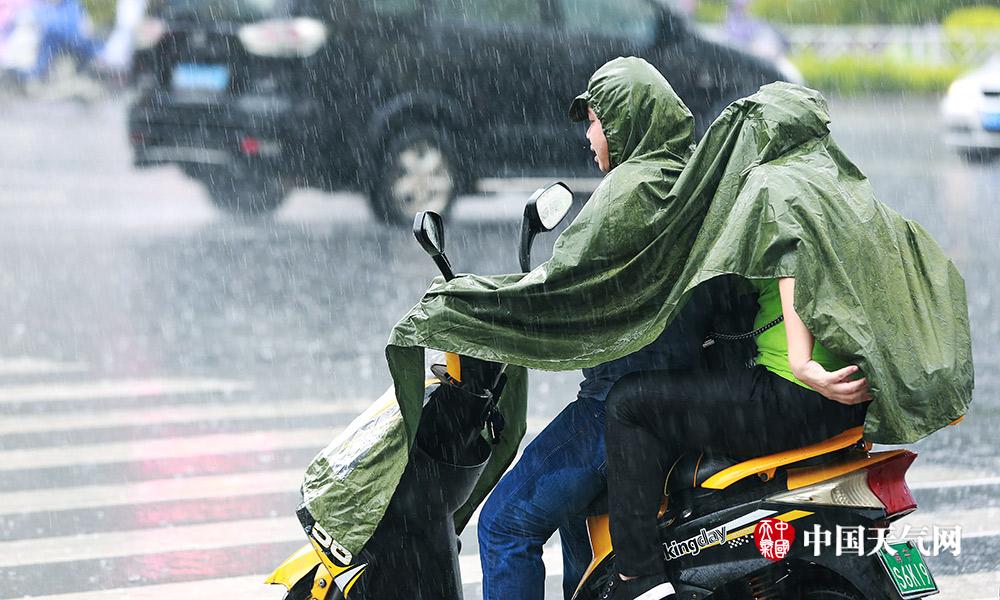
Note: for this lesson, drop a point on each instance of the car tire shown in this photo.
(419, 170)
(978, 156)
(242, 193)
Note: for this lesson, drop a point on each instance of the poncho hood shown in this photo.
(767, 193)
(640, 113)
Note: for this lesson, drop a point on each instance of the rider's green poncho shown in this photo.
(766, 194)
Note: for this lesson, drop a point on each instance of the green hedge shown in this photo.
(972, 33)
(844, 12)
(852, 74)
(101, 11)
(857, 12)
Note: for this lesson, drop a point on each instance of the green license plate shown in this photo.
(907, 570)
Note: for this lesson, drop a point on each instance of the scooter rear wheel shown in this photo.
(828, 592)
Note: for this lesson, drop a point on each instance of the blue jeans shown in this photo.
(561, 471)
(564, 469)
(52, 43)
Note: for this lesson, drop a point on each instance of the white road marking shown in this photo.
(973, 586)
(923, 476)
(129, 388)
(26, 365)
(955, 483)
(155, 415)
(150, 541)
(974, 523)
(527, 185)
(157, 490)
(245, 588)
(166, 448)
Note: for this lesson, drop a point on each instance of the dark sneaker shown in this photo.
(654, 587)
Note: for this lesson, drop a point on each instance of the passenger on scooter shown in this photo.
(564, 469)
(798, 393)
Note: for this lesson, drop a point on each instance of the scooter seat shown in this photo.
(716, 474)
(692, 470)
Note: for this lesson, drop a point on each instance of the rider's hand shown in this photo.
(839, 386)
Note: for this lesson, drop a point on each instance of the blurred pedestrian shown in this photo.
(17, 37)
(63, 29)
(117, 53)
(755, 35)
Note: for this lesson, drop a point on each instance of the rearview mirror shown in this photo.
(428, 228)
(546, 208)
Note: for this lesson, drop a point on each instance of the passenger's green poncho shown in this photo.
(766, 194)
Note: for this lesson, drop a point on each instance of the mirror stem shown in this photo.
(442, 263)
(527, 237)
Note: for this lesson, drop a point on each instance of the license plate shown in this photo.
(200, 78)
(991, 121)
(907, 570)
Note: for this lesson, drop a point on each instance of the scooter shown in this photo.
(765, 528)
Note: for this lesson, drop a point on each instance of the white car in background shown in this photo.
(971, 112)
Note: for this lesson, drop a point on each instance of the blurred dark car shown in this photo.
(411, 101)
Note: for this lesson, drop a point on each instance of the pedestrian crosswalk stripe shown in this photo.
(158, 490)
(955, 483)
(26, 365)
(972, 522)
(973, 586)
(150, 541)
(154, 415)
(164, 448)
(250, 587)
(130, 388)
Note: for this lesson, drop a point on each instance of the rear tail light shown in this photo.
(149, 33)
(887, 480)
(300, 37)
(881, 485)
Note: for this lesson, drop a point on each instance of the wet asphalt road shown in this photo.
(166, 372)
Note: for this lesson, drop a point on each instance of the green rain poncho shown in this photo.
(766, 194)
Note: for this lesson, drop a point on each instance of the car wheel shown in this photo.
(242, 193)
(978, 156)
(419, 170)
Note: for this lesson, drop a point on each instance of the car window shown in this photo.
(627, 19)
(388, 8)
(490, 12)
(224, 10)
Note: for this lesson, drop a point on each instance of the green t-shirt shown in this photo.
(772, 345)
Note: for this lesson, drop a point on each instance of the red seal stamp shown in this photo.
(774, 538)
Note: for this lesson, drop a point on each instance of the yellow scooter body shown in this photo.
(298, 566)
(301, 564)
